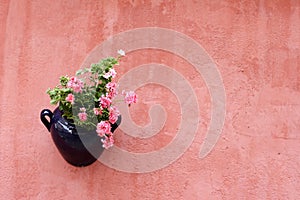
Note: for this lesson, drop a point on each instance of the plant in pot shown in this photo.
(83, 124)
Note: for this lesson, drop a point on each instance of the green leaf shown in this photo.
(79, 72)
(53, 101)
(64, 80)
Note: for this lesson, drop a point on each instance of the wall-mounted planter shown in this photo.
(77, 146)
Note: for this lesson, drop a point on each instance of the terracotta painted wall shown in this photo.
(256, 47)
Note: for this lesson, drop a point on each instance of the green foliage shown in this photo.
(94, 81)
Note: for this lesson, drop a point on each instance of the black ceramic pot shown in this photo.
(77, 146)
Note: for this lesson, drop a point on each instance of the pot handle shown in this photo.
(46, 113)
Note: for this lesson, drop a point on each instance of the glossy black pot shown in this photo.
(77, 146)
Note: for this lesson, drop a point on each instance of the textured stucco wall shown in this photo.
(256, 46)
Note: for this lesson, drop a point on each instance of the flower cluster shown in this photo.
(130, 97)
(75, 84)
(94, 102)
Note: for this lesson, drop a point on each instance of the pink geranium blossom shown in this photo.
(103, 128)
(108, 142)
(111, 73)
(130, 97)
(70, 98)
(113, 114)
(76, 84)
(82, 116)
(105, 102)
(97, 111)
(121, 52)
(112, 89)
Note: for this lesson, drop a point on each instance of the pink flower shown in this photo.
(82, 109)
(121, 52)
(113, 114)
(130, 97)
(82, 116)
(105, 101)
(70, 98)
(112, 88)
(103, 128)
(97, 111)
(76, 84)
(111, 95)
(108, 142)
(111, 73)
